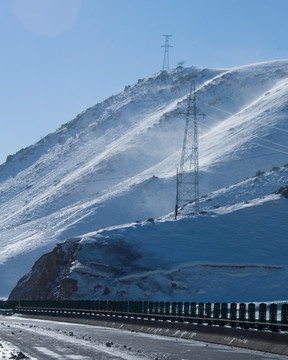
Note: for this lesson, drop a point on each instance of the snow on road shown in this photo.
(44, 340)
(9, 351)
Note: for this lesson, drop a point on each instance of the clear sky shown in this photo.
(59, 57)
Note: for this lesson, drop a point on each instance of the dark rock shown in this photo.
(18, 356)
(68, 286)
(42, 279)
(106, 291)
(283, 191)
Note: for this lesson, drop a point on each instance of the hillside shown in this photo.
(116, 162)
(235, 252)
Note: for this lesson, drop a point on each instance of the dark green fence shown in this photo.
(248, 316)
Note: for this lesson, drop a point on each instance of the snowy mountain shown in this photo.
(115, 163)
(236, 251)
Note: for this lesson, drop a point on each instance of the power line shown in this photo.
(255, 136)
(131, 176)
(256, 156)
(212, 106)
(169, 172)
(273, 127)
(166, 52)
(271, 142)
(194, 183)
(188, 177)
(268, 147)
(237, 114)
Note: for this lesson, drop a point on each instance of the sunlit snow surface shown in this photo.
(8, 350)
(116, 162)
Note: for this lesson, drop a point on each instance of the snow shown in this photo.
(185, 259)
(7, 350)
(61, 340)
(58, 333)
(115, 163)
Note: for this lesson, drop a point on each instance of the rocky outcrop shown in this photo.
(283, 191)
(96, 265)
(47, 276)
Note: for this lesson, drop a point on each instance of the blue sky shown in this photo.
(59, 57)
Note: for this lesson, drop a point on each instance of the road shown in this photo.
(42, 340)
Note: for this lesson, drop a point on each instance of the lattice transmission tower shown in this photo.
(188, 176)
(166, 53)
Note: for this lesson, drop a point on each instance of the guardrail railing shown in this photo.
(248, 316)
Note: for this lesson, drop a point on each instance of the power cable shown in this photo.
(268, 147)
(273, 127)
(272, 142)
(227, 112)
(128, 177)
(237, 114)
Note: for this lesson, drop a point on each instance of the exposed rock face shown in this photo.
(73, 266)
(283, 191)
(68, 286)
(48, 274)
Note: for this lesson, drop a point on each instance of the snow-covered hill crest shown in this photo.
(116, 162)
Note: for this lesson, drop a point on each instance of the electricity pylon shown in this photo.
(188, 177)
(166, 53)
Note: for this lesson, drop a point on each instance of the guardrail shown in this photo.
(247, 316)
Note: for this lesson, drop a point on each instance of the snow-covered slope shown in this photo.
(116, 162)
(235, 251)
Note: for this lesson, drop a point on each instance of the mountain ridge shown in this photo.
(116, 162)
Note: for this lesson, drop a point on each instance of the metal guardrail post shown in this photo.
(110, 305)
(224, 313)
(216, 313)
(145, 307)
(162, 309)
(242, 315)
(180, 311)
(262, 315)
(200, 312)
(233, 314)
(251, 315)
(173, 311)
(156, 310)
(150, 307)
(167, 308)
(186, 309)
(193, 309)
(208, 312)
(284, 316)
(273, 317)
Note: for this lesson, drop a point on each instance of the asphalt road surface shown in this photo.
(42, 340)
